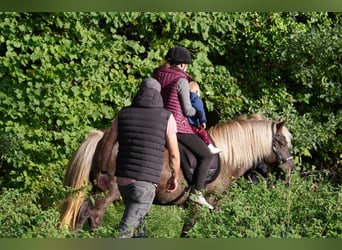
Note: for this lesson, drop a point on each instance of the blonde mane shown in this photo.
(246, 140)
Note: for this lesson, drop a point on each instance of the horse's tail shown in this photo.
(77, 177)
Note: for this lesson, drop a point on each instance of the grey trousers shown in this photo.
(138, 198)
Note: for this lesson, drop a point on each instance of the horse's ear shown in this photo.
(279, 125)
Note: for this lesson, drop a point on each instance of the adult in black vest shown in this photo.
(143, 130)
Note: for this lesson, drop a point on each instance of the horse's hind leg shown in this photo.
(98, 213)
(95, 210)
(99, 209)
(84, 213)
(93, 214)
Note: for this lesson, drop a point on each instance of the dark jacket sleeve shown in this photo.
(197, 103)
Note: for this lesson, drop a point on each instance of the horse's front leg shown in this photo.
(191, 221)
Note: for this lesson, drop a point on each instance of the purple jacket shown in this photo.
(168, 78)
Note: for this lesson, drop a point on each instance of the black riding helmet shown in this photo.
(178, 55)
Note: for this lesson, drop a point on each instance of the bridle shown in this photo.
(275, 137)
(280, 160)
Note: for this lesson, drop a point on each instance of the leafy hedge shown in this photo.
(63, 74)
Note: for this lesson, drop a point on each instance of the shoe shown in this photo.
(213, 149)
(199, 198)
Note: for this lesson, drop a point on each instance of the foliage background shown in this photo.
(63, 74)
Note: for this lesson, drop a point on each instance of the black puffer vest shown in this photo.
(142, 137)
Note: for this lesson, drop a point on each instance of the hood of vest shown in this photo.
(148, 98)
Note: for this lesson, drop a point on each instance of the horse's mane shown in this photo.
(245, 140)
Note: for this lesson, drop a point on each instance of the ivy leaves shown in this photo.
(65, 73)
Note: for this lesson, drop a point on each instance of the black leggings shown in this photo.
(204, 157)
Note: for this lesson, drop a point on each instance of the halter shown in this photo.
(280, 161)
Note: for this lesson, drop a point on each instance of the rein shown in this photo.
(186, 190)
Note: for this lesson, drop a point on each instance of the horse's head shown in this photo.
(281, 145)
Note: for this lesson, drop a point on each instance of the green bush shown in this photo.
(21, 216)
(63, 74)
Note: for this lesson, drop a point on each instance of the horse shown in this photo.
(245, 142)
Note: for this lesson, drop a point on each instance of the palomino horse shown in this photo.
(245, 142)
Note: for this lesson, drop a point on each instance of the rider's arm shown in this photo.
(184, 97)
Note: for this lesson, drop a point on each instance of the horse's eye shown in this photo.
(281, 140)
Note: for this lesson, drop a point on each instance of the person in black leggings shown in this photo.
(175, 90)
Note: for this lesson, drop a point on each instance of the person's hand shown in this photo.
(203, 125)
(171, 184)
